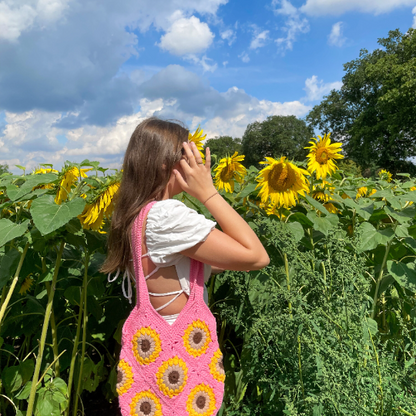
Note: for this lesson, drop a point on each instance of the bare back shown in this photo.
(164, 280)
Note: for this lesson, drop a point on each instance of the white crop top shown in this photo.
(172, 227)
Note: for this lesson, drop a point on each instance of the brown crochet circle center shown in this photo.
(200, 402)
(119, 377)
(145, 345)
(173, 377)
(197, 338)
(145, 408)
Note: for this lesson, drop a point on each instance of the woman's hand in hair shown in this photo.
(196, 179)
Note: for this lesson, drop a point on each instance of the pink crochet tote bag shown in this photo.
(169, 369)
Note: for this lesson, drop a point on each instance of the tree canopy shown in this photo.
(374, 112)
(4, 168)
(275, 137)
(223, 146)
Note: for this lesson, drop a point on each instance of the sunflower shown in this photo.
(318, 191)
(228, 170)
(364, 192)
(103, 206)
(385, 175)
(330, 207)
(42, 171)
(48, 170)
(197, 138)
(281, 182)
(413, 188)
(71, 175)
(26, 285)
(321, 156)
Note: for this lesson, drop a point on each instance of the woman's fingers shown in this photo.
(207, 158)
(189, 155)
(180, 179)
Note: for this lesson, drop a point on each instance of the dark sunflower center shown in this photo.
(322, 156)
(227, 173)
(282, 177)
(145, 345)
(200, 402)
(119, 377)
(197, 338)
(146, 408)
(173, 377)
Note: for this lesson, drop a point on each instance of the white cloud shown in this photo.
(336, 37)
(259, 39)
(338, 7)
(187, 36)
(31, 138)
(14, 21)
(251, 111)
(286, 8)
(228, 35)
(316, 89)
(98, 39)
(414, 18)
(244, 57)
(28, 14)
(204, 62)
(294, 24)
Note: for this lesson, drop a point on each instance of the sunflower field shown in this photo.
(328, 328)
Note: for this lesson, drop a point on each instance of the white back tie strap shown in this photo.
(166, 293)
(152, 272)
(126, 274)
(179, 292)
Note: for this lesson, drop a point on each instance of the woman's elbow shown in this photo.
(261, 261)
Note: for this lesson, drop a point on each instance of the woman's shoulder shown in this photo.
(173, 227)
(171, 215)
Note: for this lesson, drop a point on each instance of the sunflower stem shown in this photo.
(288, 282)
(13, 285)
(84, 332)
(45, 326)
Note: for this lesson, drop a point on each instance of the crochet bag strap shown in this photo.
(141, 287)
(196, 277)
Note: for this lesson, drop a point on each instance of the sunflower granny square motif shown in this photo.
(169, 369)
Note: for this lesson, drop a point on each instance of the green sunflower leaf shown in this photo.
(49, 216)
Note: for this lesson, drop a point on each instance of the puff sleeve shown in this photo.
(171, 228)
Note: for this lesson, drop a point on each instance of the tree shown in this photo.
(275, 137)
(223, 146)
(373, 113)
(4, 168)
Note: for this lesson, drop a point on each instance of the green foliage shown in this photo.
(349, 168)
(298, 339)
(326, 329)
(275, 137)
(373, 112)
(4, 168)
(223, 146)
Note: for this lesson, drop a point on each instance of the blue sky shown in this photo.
(78, 76)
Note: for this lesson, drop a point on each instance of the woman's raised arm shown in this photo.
(236, 247)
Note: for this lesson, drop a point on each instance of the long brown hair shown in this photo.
(154, 148)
